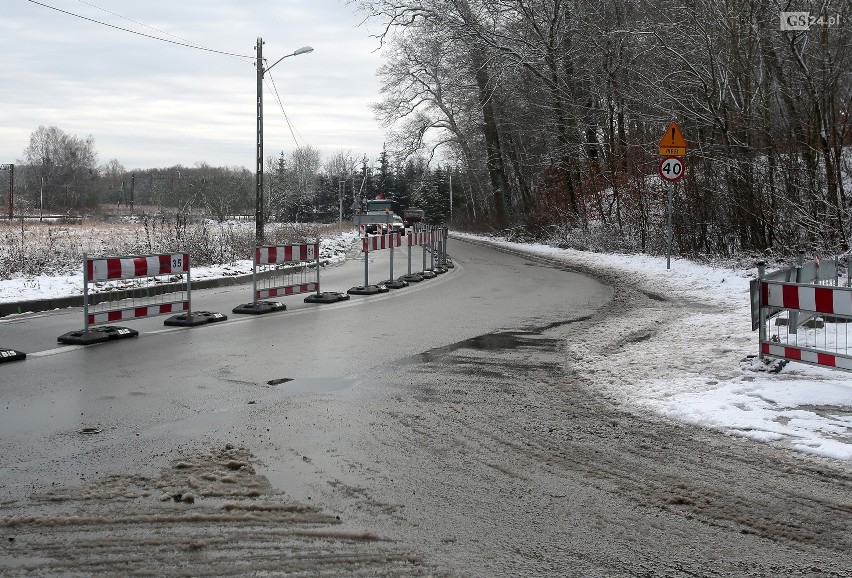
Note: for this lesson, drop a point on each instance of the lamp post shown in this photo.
(258, 209)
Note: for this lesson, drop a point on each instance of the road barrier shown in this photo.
(135, 287)
(281, 270)
(416, 237)
(811, 320)
(372, 243)
(818, 272)
(7, 355)
(431, 239)
(423, 236)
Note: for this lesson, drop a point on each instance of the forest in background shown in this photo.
(553, 109)
(540, 119)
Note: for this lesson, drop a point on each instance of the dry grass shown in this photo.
(32, 248)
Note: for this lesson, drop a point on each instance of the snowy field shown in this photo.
(689, 361)
(19, 288)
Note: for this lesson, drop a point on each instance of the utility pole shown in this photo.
(11, 169)
(451, 195)
(258, 192)
(132, 187)
(340, 187)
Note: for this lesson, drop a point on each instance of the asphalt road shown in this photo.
(436, 430)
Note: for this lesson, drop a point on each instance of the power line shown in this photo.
(185, 44)
(281, 104)
(140, 23)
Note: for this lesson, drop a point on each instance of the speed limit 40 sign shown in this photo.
(671, 169)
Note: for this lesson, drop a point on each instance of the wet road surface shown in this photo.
(442, 432)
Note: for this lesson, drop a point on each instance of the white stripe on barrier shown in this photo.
(807, 299)
(841, 303)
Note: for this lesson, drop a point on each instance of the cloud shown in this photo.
(149, 103)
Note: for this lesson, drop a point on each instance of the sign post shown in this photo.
(671, 169)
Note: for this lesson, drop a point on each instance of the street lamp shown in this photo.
(258, 209)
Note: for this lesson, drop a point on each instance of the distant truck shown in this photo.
(412, 215)
(378, 217)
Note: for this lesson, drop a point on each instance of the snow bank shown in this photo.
(684, 354)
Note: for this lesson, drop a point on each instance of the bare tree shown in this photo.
(67, 166)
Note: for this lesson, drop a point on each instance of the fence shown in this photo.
(134, 287)
(281, 270)
(806, 321)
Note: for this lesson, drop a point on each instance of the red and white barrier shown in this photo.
(113, 268)
(817, 299)
(282, 270)
(416, 238)
(289, 290)
(828, 348)
(273, 255)
(135, 287)
(124, 268)
(806, 355)
(379, 242)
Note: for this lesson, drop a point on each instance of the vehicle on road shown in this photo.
(413, 215)
(378, 216)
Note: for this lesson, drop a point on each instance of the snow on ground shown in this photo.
(37, 287)
(684, 357)
(693, 366)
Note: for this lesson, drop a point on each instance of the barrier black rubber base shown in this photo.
(97, 335)
(260, 307)
(440, 269)
(394, 283)
(449, 264)
(195, 319)
(428, 274)
(368, 290)
(7, 355)
(413, 278)
(326, 297)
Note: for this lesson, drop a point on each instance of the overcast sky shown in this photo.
(149, 103)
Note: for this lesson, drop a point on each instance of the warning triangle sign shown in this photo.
(673, 138)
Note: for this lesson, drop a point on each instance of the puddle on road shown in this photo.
(504, 340)
(501, 341)
(298, 385)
